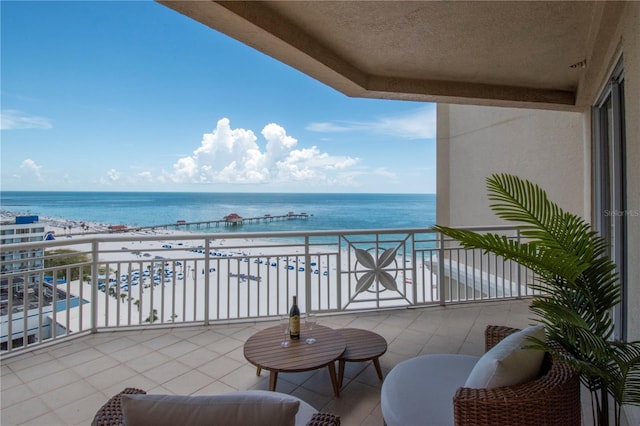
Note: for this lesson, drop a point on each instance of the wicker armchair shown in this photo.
(110, 414)
(551, 399)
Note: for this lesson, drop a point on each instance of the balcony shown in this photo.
(179, 327)
(65, 383)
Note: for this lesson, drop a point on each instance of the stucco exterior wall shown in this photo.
(546, 147)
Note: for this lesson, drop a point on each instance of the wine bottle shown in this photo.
(294, 320)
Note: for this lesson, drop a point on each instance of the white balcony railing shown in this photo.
(115, 281)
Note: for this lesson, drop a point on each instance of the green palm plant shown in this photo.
(577, 288)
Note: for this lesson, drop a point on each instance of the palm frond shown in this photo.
(518, 200)
(626, 366)
(543, 262)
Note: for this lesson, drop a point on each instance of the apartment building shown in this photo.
(20, 280)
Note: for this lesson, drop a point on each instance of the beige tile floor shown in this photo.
(66, 383)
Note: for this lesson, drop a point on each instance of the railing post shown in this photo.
(307, 275)
(518, 268)
(94, 286)
(414, 271)
(207, 278)
(441, 283)
(338, 283)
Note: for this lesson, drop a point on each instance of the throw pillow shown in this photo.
(227, 409)
(509, 362)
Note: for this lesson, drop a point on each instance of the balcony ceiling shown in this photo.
(486, 53)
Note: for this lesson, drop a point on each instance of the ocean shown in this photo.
(326, 211)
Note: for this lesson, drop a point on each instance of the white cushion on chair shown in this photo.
(232, 409)
(420, 390)
(508, 363)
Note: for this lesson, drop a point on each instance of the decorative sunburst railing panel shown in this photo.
(376, 270)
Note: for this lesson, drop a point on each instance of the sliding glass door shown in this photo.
(609, 185)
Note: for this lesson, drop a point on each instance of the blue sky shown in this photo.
(133, 96)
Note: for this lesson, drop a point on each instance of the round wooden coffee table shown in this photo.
(362, 345)
(263, 350)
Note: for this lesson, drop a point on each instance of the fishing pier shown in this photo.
(232, 219)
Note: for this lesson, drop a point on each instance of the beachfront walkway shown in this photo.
(66, 383)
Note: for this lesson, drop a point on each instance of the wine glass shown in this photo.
(310, 320)
(284, 326)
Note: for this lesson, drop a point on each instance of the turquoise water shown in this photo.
(326, 211)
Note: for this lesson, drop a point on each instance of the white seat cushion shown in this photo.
(510, 362)
(232, 409)
(420, 391)
(305, 410)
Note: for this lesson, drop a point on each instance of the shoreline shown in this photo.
(63, 227)
(59, 224)
(67, 228)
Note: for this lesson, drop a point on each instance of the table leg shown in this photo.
(376, 363)
(258, 371)
(273, 377)
(334, 380)
(341, 364)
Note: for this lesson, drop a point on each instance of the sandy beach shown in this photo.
(170, 278)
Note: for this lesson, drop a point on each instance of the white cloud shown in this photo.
(421, 124)
(416, 124)
(327, 128)
(381, 171)
(344, 164)
(32, 167)
(147, 176)
(13, 119)
(113, 175)
(113, 178)
(232, 156)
